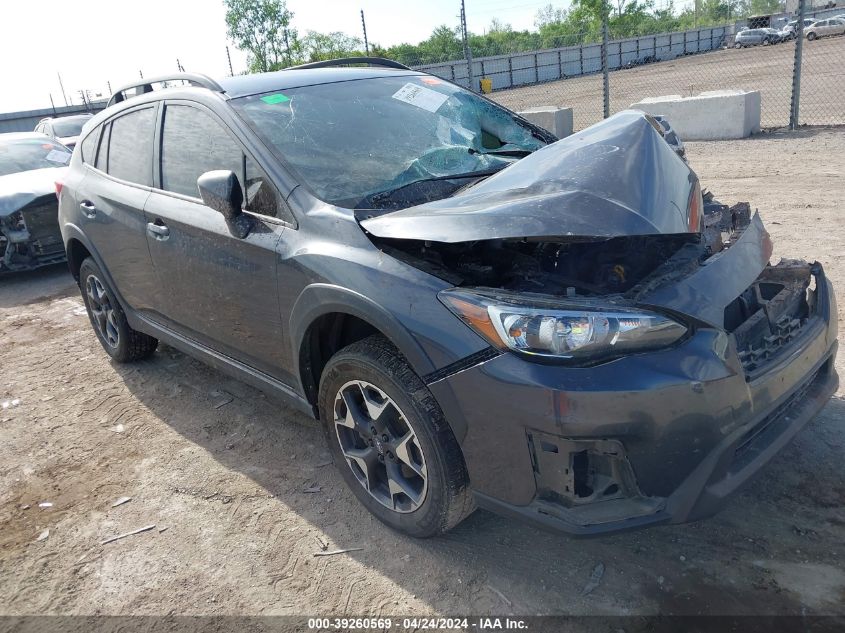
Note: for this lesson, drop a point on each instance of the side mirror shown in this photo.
(221, 191)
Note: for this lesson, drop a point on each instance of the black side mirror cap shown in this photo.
(221, 191)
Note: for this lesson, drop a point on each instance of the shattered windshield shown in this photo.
(31, 153)
(352, 140)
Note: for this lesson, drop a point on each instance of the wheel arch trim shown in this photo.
(320, 299)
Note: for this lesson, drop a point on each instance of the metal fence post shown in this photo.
(796, 68)
(604, 69)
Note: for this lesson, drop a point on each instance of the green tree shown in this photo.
(261, 28)
(322, 46)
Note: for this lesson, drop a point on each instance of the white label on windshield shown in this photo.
(58, 156)
(420, 96)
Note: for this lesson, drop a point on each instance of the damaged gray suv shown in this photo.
(565, 331)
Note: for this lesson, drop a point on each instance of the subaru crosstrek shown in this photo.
(568, 331)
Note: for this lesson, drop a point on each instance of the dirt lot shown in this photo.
(223, 472)
(764, 68)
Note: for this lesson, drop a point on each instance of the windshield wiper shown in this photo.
(382, 196)
(519, 153)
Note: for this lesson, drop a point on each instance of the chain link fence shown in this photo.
(570, 71)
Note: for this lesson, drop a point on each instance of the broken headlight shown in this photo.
(556, 329)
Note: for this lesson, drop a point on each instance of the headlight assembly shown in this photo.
(560, 329)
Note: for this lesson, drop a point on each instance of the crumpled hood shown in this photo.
(18, 190)
(616, 178)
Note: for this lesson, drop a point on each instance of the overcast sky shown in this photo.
(92, 42)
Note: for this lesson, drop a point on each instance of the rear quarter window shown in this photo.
(88, 147)
(131, 147)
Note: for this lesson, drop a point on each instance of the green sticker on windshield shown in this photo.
(274, 99)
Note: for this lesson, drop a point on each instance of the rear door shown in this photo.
(112, 197)
(220, 289)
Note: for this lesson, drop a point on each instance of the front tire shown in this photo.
(119, 340)
(811, 36)
(390, 441)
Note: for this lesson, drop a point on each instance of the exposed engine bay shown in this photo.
(571, 266)
(30, 237)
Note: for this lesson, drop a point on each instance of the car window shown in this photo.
(88, 147)
(69, 126)
(260, 196)
(103, 154)
(28, 153)
(349, 140)
(131, 146)
(193, 143)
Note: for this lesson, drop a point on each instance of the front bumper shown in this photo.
(668, 435)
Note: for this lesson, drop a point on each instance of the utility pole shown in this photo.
(794, 109)
(605, 18)
(179, 66)
(108, 83)
(229, 57)
(52, 105)
(364, 26)
(141, 73)
(61, 85)
(467, 50)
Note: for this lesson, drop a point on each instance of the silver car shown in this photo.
(753, 37)
(823, 28)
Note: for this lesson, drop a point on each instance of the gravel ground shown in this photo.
(764, 68)
(223, 473)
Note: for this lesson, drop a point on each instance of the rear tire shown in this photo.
(766, 41)
(390, 441)
(119, 340)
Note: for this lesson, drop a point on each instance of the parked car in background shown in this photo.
(776, 36)
(787, 33)
(807, 22)
(754, 37)
(565, 331)
(64, 129)
(825, 28)
(30, 165)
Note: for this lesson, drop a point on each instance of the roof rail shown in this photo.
(146, 85)
(348, 61)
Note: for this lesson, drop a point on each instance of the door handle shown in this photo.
(158, 231)
(88, 209)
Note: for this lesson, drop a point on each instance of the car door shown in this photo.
(111, 197)
(220, 289)
(838, 27)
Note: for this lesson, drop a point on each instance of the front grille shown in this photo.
(783, 332)
(771, 314)
(42, 222)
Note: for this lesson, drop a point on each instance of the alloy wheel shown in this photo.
(102, 310)
(380, 446)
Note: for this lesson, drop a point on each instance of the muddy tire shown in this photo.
(390, 441)
(119, 340)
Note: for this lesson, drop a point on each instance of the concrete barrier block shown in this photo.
(710, 116)
(558, 121)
